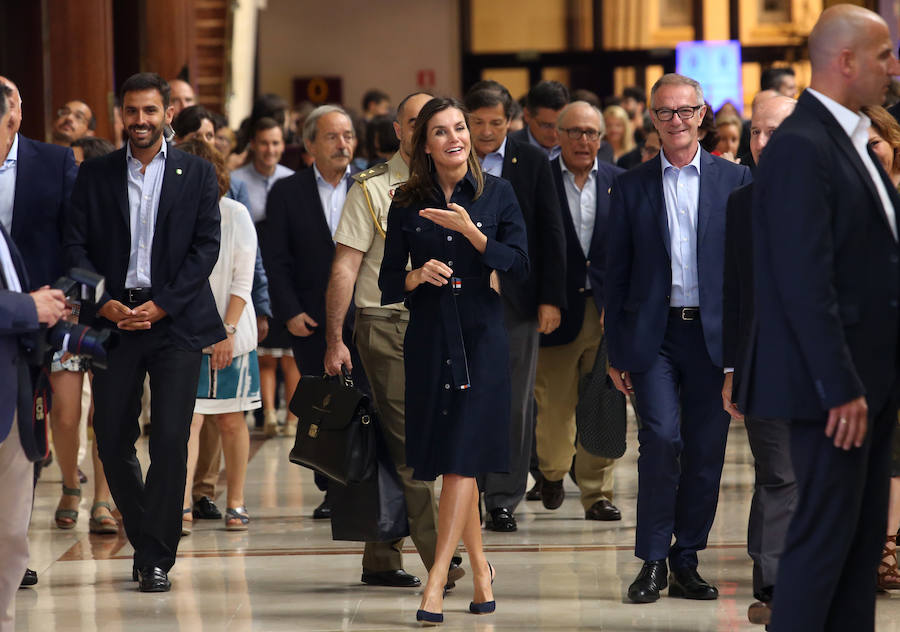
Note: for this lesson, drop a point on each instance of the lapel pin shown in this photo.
(178, 171)
(609, 190)
(515, 160)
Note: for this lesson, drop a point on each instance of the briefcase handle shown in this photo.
(345, 374)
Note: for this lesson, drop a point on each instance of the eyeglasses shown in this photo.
(684, 113)
(79, 116)
(575, 133)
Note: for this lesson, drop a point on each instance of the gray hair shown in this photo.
(570, 106)
(674, 79)
(310, 126)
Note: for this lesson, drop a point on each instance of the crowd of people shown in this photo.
(468, 261)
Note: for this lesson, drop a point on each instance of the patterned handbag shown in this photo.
(600, 414)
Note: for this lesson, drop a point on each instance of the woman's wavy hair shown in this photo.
(888, 128)
(421, 168)
(201, 148)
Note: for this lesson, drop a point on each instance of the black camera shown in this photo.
(82, 289)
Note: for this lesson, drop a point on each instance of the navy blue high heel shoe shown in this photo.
(429, 618)
(484, 607)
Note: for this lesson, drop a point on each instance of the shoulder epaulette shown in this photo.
(365, 174)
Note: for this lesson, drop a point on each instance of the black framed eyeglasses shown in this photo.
(684, 113)
(575, 133)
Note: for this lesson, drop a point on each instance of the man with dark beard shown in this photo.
(146, 217)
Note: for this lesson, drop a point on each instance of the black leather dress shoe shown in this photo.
(535, 492)
(603, 510)
(501, 520)
(205, 509)
(323, 511)
(552, 494)
(687, 583)
(397, 579)
(29, 579)
(153, 579)
(651, 579)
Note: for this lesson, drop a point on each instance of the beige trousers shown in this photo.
(559, 372)
(379, 340)
(16, 490)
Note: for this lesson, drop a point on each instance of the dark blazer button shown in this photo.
(895, 259)
(894, 303)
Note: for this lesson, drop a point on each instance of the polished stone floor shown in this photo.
(558, 572)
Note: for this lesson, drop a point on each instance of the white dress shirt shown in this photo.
(582, 206)
(8, 171)
(681, 188)
(493, 162)
(143, 203)
(332, 197)
(856, 126)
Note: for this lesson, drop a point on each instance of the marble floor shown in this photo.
(558, 572)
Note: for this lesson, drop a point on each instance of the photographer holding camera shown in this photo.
(19, 314)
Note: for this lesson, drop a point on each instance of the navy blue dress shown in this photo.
(456, 351)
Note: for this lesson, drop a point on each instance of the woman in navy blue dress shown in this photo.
(455, 224)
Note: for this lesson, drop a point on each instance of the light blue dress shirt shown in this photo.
(332, 197)
(8, 185)
(258, 186)
(493, 162)
(681, 188)
(552, 153)
(143, 203)
(8, 267)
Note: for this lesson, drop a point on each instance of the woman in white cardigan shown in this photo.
(229, 374)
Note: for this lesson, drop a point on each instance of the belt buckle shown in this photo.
(456, 284)
(133, 294)
(690, 313)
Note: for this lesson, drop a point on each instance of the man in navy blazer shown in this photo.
(567, 354)
(146, 217)
(664, 324)
(302, 214)
(21, 315)
(824, 350)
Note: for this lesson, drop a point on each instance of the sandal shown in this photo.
(103, 525)
(67, 518)
(187, 521)
(888, 573)
(236, 518)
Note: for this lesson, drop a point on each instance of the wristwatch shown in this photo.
(230, 329)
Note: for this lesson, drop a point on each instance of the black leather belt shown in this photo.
(137, 295)
(685, 313)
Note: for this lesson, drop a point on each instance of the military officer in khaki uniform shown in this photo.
(379, 337)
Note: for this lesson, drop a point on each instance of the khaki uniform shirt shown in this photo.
(357, 227)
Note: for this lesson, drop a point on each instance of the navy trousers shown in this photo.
(682, 447)
(827, 574)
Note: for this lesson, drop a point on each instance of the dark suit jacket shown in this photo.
(185, 240)
(737, 295)
(18, 324)
(639, 267)
(45, 175)
(578, 266)
(527, 169)
(297, 248)
(827, 275)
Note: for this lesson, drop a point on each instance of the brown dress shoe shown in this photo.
(552, 494)
(759, 612)
(535, 492)
(603, 510)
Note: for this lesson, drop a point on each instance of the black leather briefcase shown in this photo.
(335, 428)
